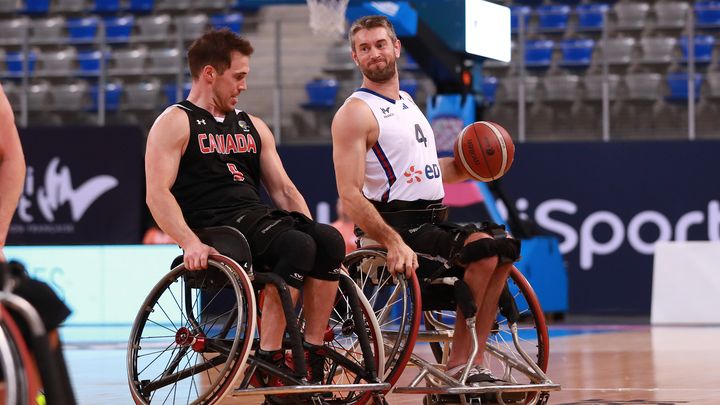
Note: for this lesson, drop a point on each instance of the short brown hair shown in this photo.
(367, 22)
(214, 48)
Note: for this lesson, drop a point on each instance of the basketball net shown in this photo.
(327, 17)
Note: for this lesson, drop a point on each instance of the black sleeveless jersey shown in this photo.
(219, 172)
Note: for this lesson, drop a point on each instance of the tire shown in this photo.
(192, 336)
(19, 371)
(345, 342)
(396, 303)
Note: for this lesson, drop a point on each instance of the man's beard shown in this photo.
(383, 75)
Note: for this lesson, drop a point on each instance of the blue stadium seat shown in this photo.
(113, 95)
(119, 29)
(37, 6)
(678, 85)
(409, 86)
(704, 45)
(489, 87)
(533, 3)
(89, 62)
(591, 16)
(82, 30)
(234, 21)
(553, 17)
(410, 64)
(14, 63)
(170, 94)
(539, 53)
(321, 94)
(515, 12)
(577, 52)
(106, 6)
(707, 14)
(140, 6)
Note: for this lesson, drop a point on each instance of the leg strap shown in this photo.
(507, 250)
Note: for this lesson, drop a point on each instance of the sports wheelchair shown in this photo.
(517, 348)
(29, 365)
(194, 337)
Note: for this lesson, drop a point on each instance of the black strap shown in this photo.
(415, 218)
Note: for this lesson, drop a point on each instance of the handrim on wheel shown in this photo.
(396, 302)
(192, 335)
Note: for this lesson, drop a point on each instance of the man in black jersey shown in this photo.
(204, 164)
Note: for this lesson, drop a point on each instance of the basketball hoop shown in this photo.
(327, 17)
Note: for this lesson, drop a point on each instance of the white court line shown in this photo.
(640, 389)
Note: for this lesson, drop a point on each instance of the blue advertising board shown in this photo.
(608, 203)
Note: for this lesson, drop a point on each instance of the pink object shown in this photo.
(462, 194)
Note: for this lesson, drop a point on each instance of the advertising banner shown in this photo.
(608, 203)
(83, 186)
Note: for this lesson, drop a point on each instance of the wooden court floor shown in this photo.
(595, 364)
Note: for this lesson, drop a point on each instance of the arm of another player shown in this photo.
(451, 171)
(166, 144)
(280, 188)
(351, 128)
(12, 168)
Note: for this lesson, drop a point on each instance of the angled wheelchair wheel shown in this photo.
(19, 373)
(519, 308)
(192, 336)
(342, 337)
(396, 303)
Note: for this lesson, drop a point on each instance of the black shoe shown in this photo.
(277, 359)
(315, 359)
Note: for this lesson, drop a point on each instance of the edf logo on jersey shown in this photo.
(413, 175)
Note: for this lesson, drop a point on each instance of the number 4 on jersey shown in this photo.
(419, 135)
(237, 175)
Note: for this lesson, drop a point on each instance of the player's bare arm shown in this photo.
(12, 168)
(280, 188)
(354, 131)
(451, 172)
(166, 144)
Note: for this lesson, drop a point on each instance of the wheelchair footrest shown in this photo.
(477, 390)
(311, 389)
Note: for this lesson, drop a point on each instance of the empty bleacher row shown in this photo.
(140, 58)
(562, 48)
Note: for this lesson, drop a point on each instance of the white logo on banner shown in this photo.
(57, 189)
(548, 213)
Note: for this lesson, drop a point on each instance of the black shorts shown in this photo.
(262, 228)
(445, 240)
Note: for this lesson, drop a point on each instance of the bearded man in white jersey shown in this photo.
(389, 179)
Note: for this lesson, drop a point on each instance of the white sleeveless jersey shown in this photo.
(403, 164)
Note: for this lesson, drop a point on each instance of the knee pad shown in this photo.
(295, 253)
(330, 252)
(508, 249)
(477, 250)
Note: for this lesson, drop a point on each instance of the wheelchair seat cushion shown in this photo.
(228, 241)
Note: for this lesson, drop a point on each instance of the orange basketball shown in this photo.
(484, 150)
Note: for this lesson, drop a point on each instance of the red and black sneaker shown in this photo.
(315, 358)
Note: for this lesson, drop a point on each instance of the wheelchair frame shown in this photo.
(16, 359)
(238, 367)
(367, 263)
